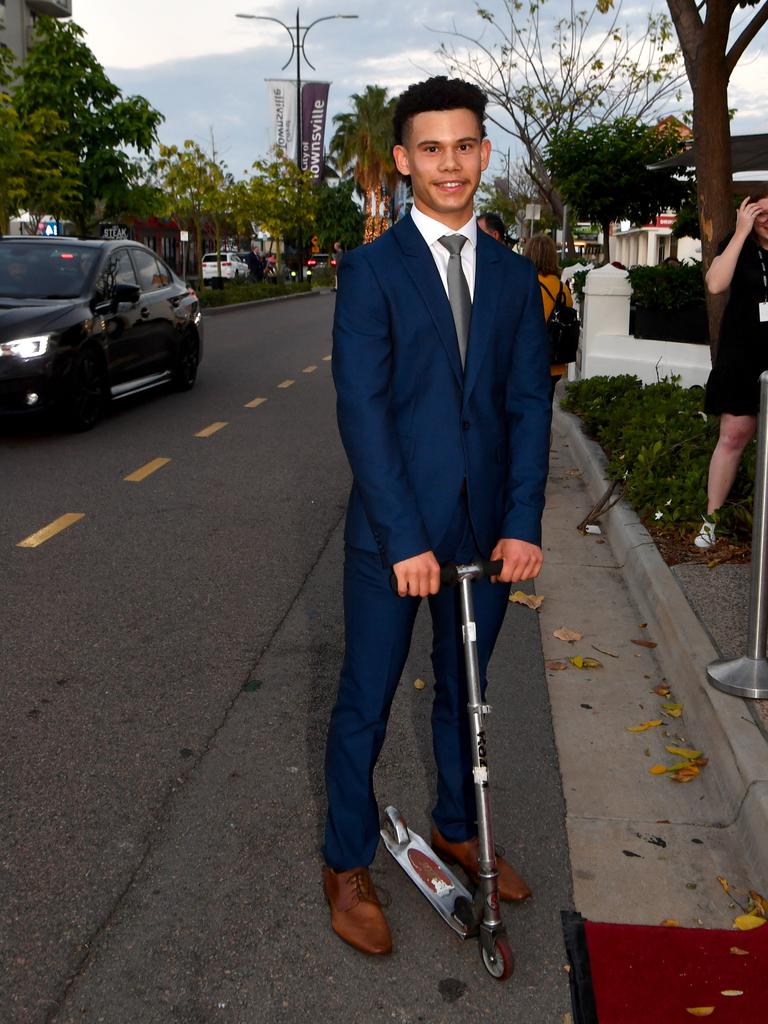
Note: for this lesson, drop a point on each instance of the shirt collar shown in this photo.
(432, 229)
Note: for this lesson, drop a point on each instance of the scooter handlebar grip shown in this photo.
(449, 575)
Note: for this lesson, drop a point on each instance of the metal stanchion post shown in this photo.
(748, 676)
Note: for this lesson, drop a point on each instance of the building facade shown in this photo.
(17, 21)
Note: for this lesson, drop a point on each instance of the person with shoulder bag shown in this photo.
(562, 319)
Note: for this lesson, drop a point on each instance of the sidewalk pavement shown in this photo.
(645, 849)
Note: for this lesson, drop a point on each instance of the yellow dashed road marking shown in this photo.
(309, 369)
(255, 403)
(207, 431)
(36, 539)
(151, 467)
(286, 384)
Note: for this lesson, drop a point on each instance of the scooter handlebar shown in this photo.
(449, 572)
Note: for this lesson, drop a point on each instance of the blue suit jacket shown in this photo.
(414, 426)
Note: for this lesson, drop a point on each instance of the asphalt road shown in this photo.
(168, 663)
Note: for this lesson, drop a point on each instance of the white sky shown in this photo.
(204, 69)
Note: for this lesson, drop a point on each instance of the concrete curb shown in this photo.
(217, 310)
(724, 725)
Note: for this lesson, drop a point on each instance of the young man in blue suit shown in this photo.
(441, 366)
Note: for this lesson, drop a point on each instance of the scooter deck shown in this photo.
(434, 879)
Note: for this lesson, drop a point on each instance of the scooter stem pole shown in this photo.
(487, 855)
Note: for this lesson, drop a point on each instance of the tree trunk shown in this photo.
(713, 169)
(606, 227)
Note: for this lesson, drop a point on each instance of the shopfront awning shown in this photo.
(748, 153)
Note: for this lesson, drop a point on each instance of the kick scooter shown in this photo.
(468, 915)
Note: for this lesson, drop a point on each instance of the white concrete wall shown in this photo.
(608, 349)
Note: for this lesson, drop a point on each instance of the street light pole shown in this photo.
(297, 46)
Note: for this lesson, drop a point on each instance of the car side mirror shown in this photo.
(130, 293)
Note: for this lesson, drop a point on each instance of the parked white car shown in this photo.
(232, 266)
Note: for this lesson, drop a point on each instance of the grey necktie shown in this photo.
(458, 291)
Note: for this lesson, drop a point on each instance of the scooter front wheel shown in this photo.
(500, 961)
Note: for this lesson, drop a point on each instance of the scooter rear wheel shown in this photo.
(501, 962)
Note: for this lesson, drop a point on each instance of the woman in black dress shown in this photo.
(733, 388)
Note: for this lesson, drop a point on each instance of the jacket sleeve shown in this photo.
(362, 372)
(529, 419)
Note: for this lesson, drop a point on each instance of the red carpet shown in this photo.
(641, 975)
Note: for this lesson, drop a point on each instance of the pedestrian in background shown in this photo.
(543, 252)
(255, 266)
(733, 388)
(492, 224)
(338, 252)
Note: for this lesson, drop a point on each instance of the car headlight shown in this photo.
(26, 348)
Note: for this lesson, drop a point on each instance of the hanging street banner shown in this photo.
(314, 105)
(283, 107)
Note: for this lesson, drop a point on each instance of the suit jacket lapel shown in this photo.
(488, 282)
(420, 265)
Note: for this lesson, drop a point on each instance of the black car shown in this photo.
(86, 321)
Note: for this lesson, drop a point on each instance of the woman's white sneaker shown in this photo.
(705, 538)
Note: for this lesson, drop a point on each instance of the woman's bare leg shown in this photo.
(735, 434)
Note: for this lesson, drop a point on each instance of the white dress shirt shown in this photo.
(431, 229)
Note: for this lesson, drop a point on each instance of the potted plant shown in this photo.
(669, 302)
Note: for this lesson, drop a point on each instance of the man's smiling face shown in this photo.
(444, 154)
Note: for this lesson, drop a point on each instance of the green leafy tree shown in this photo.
(363, 143)
(37, 174)
(196, 188)
(545, 73)
(97, 125)
(602, 172)
(283, 197)
(339, 218)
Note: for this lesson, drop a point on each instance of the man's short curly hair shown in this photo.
(438, 93)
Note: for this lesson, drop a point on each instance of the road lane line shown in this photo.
(36, 539)
(286, 383)
(207, 431)
(309, 369)
(255, 403)
(144, 471)
(326, 359)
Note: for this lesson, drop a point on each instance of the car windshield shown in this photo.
(44, 271)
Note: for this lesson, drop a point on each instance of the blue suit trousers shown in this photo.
(378, 628)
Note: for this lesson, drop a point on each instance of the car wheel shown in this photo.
(87, 392)
(185, 373)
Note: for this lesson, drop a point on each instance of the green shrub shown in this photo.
(658, 441)
(667, 286)
(236, 292)
(323, 277)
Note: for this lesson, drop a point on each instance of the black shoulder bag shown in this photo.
(563, 328)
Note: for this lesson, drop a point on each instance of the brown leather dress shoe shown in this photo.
(512, 888)
(356, 914)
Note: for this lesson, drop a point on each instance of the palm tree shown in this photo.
(363, 143)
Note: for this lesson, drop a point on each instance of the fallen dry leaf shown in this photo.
(601, 651)
(580, 662)
(646, 725)
(670, 922)
(556, 666)
(684, 774)
(759, 903)
(700, 1011)
(658, 769)
(673, 710)
(748, 922)
(529, 600)
(645, 643)
(732, 992)
(419, 684)
(685, 752)
(661, 690)
(737, 951)
(724, 883)
(569, 635)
